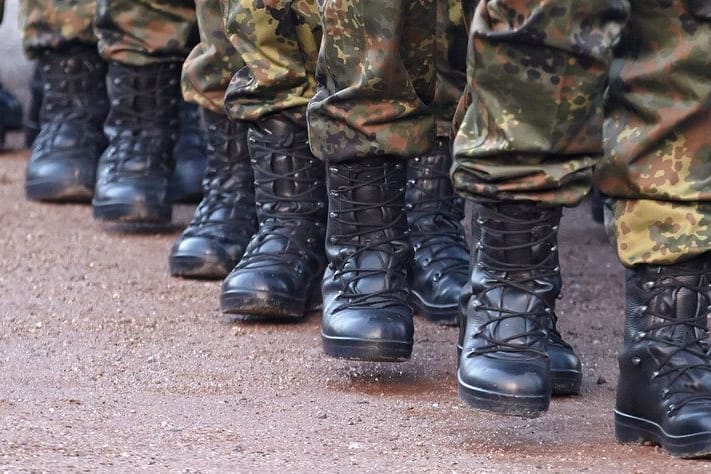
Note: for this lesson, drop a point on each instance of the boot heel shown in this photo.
(629, 430)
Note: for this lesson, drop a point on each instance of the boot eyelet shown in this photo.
(426, 262)
(648, 285)
(480, 221)
(655, 374)
(665, 394)
(636, 361)
(554, 248)
(556, 269)
(643, 309)
(408, 206)
(671, 409)
(437, 276)
(416, 159)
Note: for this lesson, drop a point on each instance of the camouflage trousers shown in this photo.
(537, 117)
(136, 32)
(278, 41)
(209, 67)
(390, 75)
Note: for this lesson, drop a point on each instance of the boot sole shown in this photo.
(366, 350)
(264, 305)
(564, 382)
(443, 315)
(191, 266)
(134, 213)
(631, 429)
(501, 403)
(53, 191)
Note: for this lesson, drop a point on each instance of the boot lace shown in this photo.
(435, 222)
(503, 275)
(696, 346)
(282, 217)
(360, 242)
(227, 184)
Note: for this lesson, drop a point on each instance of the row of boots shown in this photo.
(368, 242)
(116, 135)
(393, 243)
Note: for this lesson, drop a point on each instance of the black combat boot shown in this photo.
(32, 123)
(62, 165)
(664, 389)
(566, 369)
(504, 364)
(226, 218)
(190, 156)
(142, 126)
(440, 265)
(10, 113)
(278, 276)
(366, 315)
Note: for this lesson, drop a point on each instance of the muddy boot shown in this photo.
(440, 265)
(134, 171)
(504, 364)
(190, 156)
(664, 388)
(366, 315)
(225, 219)
(62, 164)
(32, 124)
(279, 274)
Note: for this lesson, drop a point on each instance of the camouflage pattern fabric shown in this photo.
(142, 32)
(209, 67)
(55, 24)
(387, 72)
(533, 125)
(278, 41)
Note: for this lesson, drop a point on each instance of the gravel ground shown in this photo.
(109, 364)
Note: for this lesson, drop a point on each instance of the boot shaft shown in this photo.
(289, 180)
(73, 85)
(519, 240)
(144, 99)
(366, 203)
(668, 302)
(430, 193)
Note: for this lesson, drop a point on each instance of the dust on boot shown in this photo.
(664, 387)
(366, 315)
(504, 364)
(278, 276)
(225, 219)
(135, 170)
(64, 156)
(440, 264)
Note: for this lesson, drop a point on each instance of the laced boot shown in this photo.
(439, 268)
(278, 275)
(225, 219)
(62, 164)
(366, 315)
(10, 113)
(190, 156)
(664, 388)
(504, 366)
(134, 171)
(566, 369)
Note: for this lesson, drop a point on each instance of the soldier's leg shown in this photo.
(526, 146)
(656, 167)
(72, 101)
(225, 218)
(438, 269)
(376, 74)
(279, 273)
(145, 43)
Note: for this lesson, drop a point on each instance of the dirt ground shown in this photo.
(109, 364)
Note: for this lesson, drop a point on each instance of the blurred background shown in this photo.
(15, 70)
